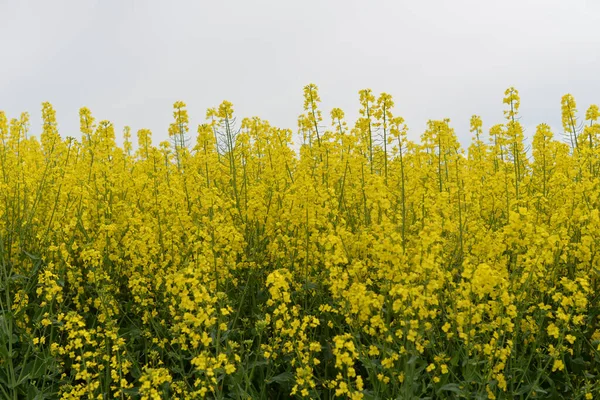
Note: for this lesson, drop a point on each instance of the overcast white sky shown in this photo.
(128, 61)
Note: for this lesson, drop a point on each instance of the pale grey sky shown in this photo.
(128, 61)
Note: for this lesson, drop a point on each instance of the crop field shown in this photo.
(230, 263)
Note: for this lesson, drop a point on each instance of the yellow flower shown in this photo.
(558, 365)
(553, 330)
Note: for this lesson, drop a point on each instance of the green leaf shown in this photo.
(133, 392)
(451, 387)
(257, 363)
(31, 256)
(34, 369)
(539, 390)
(284, 377)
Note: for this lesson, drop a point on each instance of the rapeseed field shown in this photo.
(230, 263)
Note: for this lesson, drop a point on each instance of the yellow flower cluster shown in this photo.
(358, 264)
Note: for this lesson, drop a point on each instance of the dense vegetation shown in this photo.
(362, 266)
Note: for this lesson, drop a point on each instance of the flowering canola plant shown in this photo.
(363, 265)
